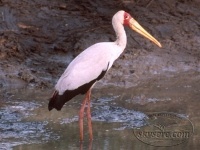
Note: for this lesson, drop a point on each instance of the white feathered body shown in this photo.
(88, 65)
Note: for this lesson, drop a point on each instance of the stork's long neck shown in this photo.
(120, 33)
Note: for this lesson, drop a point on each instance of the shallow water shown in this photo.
(116, 112)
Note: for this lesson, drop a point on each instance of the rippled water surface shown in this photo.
(26, 123)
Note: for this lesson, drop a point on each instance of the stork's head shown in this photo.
(126, 19)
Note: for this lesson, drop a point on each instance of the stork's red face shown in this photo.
(133, 24)
(127, 18)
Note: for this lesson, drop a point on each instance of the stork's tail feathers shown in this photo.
(57, 101)
(53, 101)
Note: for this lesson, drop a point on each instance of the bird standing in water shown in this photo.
(91, 65)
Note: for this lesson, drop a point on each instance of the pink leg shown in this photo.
(89, 115)
(81, 116)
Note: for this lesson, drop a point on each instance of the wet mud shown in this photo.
(40, 38)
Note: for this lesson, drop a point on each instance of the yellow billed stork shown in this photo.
(91, 65)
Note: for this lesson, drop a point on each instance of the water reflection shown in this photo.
(27, 124)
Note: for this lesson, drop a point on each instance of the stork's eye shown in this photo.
(126, 17)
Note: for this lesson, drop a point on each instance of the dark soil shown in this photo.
(40, 37)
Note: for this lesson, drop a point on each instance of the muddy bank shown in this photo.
(39, 38)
